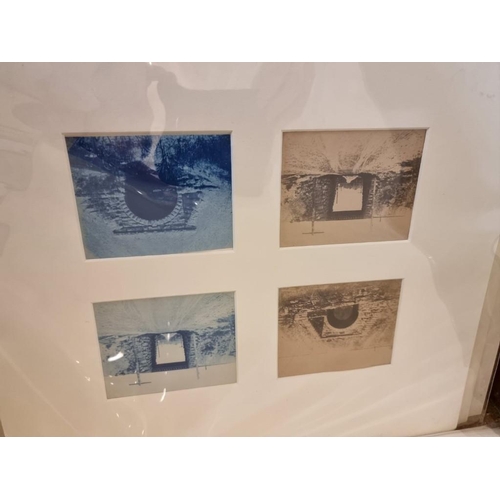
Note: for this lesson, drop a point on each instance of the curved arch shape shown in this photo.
(143, 204)
(343, 316)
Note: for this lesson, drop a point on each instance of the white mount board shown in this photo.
(50, 370)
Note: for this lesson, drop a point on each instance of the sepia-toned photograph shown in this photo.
(166, 344)
(342, 326)
(348, 186)
(152, 194)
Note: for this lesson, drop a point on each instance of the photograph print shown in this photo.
(166, 344)
(348, 186)
(342, 326)
(152, 194)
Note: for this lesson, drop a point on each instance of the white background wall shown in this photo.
(50, 375)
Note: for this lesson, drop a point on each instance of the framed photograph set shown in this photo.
(229, 250)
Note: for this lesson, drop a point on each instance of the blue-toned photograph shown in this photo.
(166, 344)
(152, 194)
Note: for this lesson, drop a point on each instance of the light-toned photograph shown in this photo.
(166, 344)
(343, 326)
(348, 186)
